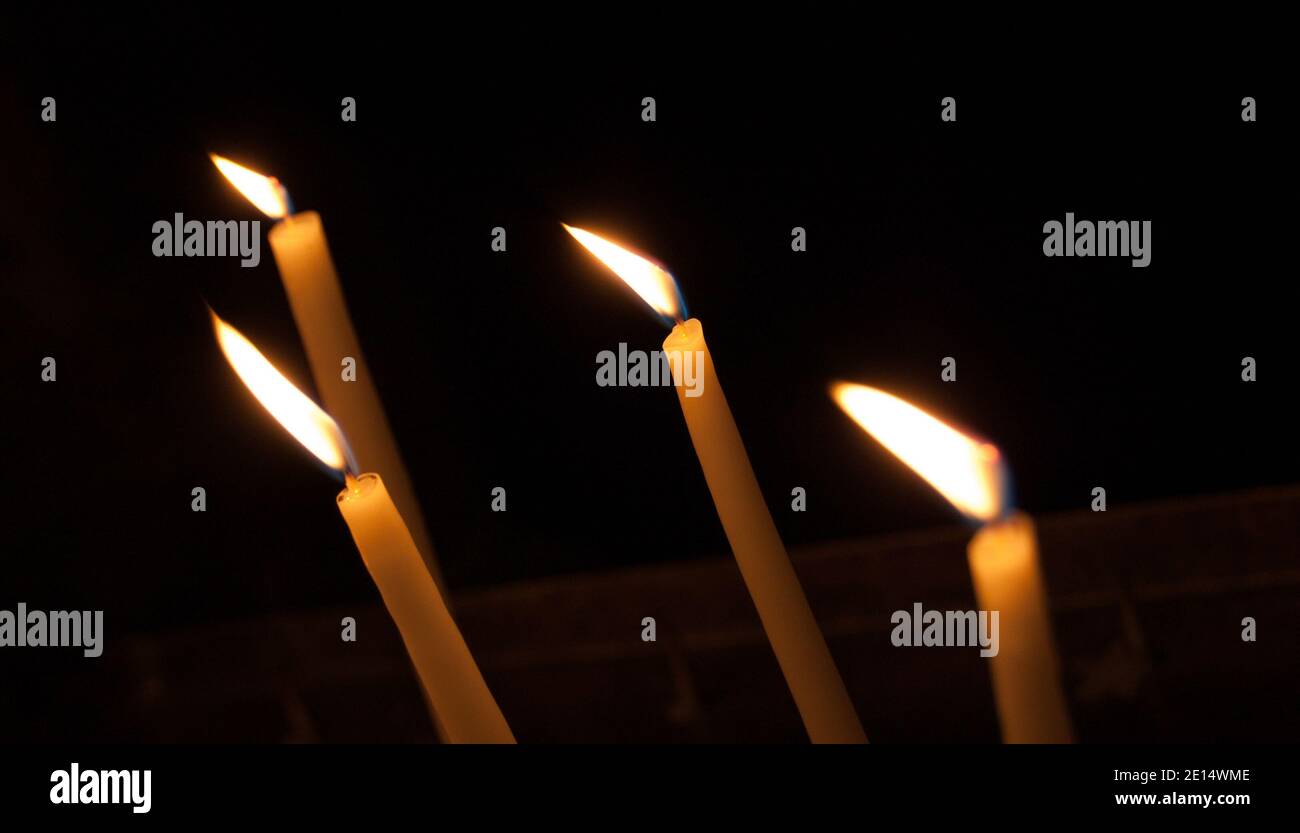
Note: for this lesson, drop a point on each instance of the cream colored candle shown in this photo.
(465, 709)
(1003, 556)
(321, 313)
(460, 697)
(800, 649)
(1003, 559)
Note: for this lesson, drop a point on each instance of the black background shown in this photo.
(924, 241)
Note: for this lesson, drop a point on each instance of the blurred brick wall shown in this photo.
(1147, 603)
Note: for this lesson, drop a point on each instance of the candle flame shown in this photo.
(648, 279)
(965, 470)
(300, 416)
(265, 192)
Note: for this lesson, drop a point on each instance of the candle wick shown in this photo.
(351, 483)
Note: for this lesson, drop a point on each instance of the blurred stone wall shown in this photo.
(1147, 603)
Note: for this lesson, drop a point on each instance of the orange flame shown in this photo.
(300, 416)
(648, 279)
(265, 192)
(966, 471)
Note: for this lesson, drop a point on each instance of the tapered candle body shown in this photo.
(800, 649)
(321, 313)
(465, 707)
(1004, 566)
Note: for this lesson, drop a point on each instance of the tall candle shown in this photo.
(799, 646)
(1003, 556)
(465, 709)
(783, 610)
(325, 327)
(455, 687)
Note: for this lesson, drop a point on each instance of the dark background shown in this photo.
(924, 241)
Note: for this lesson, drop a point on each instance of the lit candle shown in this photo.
(321, 313)
(465, 708)
(800, 649)
(1003, 556)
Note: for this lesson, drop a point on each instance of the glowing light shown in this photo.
(300, 416)
(647, 278)
(966, 471)
(265, 192)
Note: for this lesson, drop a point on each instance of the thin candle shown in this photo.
(330, 341)
(800, 648)
(465, 708)
(1003, 555)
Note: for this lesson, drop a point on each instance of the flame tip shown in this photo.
(653, 283)
(265, 192)
(292, 408)
(968, 471)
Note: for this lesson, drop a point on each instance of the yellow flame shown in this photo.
(300, 416)
(649, 280)
(966, 471)
(265, 192)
